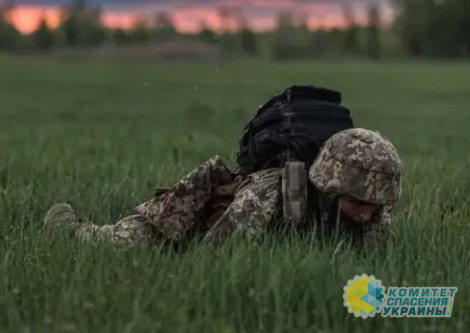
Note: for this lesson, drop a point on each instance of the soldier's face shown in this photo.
(357, 210)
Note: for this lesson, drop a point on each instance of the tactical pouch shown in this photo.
(294, 193)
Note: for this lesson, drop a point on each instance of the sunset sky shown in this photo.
(188, 15)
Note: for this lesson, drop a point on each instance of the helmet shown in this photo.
(360, 163)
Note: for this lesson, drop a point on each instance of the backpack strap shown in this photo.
(294, 193)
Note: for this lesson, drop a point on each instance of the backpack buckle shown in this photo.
(294, 193)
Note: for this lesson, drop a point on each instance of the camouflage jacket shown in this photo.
(249, 206)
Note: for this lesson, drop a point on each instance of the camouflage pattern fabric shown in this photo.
(128, 231)
(357, 162)
(254, 208)
(361, 163)
(181, 209)
(365, 165)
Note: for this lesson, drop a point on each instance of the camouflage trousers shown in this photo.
(128, 231)
(210, 201)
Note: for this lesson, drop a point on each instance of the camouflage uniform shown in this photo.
(245, 207)
(214, 203)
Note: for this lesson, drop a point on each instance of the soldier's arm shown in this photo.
(175, 211)
(255, 205)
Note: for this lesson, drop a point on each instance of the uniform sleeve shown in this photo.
(378, 231)
(175, 212)
(256, 204)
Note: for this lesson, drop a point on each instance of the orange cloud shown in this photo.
(27, 18)
(263, 23)
(261, 15)
(189, 19)
(333, 20)
(119, 20)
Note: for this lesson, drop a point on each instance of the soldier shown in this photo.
(354, 184)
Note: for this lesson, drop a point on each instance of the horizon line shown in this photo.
(190, 19)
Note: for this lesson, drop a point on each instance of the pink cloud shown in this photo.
(260, 14)
(119, 20)
(27, 18)
(190, 19)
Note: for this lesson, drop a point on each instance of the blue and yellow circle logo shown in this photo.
(363, 296)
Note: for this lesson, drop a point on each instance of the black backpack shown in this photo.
(291, 126)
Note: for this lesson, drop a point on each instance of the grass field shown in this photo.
(102, 136)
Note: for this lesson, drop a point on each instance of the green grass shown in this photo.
(102, 136)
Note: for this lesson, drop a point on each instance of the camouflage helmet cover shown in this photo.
(361, 163)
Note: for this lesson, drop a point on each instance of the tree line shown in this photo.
(437, 28)
(422, 28)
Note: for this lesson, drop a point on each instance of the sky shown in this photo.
(189, 15)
